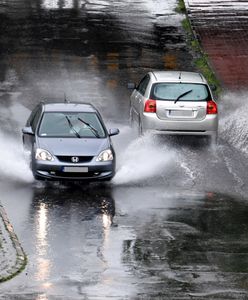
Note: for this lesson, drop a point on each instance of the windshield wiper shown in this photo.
(71, 126)
(184, 94)
(95, 132)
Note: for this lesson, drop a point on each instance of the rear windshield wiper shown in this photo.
(95, 132)
(71, 126)
(184, 94)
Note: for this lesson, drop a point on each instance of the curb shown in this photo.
(14, 257)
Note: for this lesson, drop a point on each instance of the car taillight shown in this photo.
(211, 108)
(150, 106)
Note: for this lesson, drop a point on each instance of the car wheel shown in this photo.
(131, 119)
(213, 140)
(140, 130)
(25, 147)
(37, 177)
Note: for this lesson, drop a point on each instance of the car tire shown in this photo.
(131, 119)
(108, 179)
(213, 140)
(37, 177)
(140, 130)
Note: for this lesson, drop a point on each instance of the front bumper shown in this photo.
(97, 171)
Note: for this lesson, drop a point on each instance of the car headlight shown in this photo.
(105, 155)
(42, 154)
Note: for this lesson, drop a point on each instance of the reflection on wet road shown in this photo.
(124, 243)
(170, 225)
(88, 50)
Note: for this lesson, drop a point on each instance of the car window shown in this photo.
(143, 84)
(35, 119)
(32, 115)
(71, 124)
(187, 91)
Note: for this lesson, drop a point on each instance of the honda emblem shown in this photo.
(75, 159)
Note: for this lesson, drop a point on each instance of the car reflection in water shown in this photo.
(69, 220)
(56, 4)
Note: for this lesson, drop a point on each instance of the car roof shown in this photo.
(68, 107)
(178, 76)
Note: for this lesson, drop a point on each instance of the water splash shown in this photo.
(143, 158)
(13, 164)
(234, 123)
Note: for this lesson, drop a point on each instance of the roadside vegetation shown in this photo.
(21, 263)
(11, 270)
(201, 60)
(181, 7)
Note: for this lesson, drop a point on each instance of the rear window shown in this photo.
(71, 124)
(183, 91)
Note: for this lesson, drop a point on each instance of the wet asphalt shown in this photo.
(173, 222)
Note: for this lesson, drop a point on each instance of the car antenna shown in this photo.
(65, 99)
(180, 77)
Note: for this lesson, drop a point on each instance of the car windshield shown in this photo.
(180, 91)
(71, 124)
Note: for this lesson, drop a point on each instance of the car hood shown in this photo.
(73, 146)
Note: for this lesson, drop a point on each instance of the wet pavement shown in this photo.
(172, 224)
(222, 28)
(129, 243)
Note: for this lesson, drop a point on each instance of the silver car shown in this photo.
(174, 103)
(69, 141)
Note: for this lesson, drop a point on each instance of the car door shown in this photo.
(137, 98)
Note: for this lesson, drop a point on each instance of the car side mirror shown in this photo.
(113, 131)
(28, 130)
(131, 85)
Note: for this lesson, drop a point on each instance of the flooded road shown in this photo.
(173, 222)
(128, 243)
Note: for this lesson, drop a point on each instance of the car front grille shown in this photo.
(69, 159)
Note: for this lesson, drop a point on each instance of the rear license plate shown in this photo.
(180, 113)
(75, 169)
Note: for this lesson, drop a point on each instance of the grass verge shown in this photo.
(22, 266)
(181, 7)
(10, 271)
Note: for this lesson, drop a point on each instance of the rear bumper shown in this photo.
(191, 133)
(205, 127)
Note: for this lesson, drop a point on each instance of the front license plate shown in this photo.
(75, 169)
